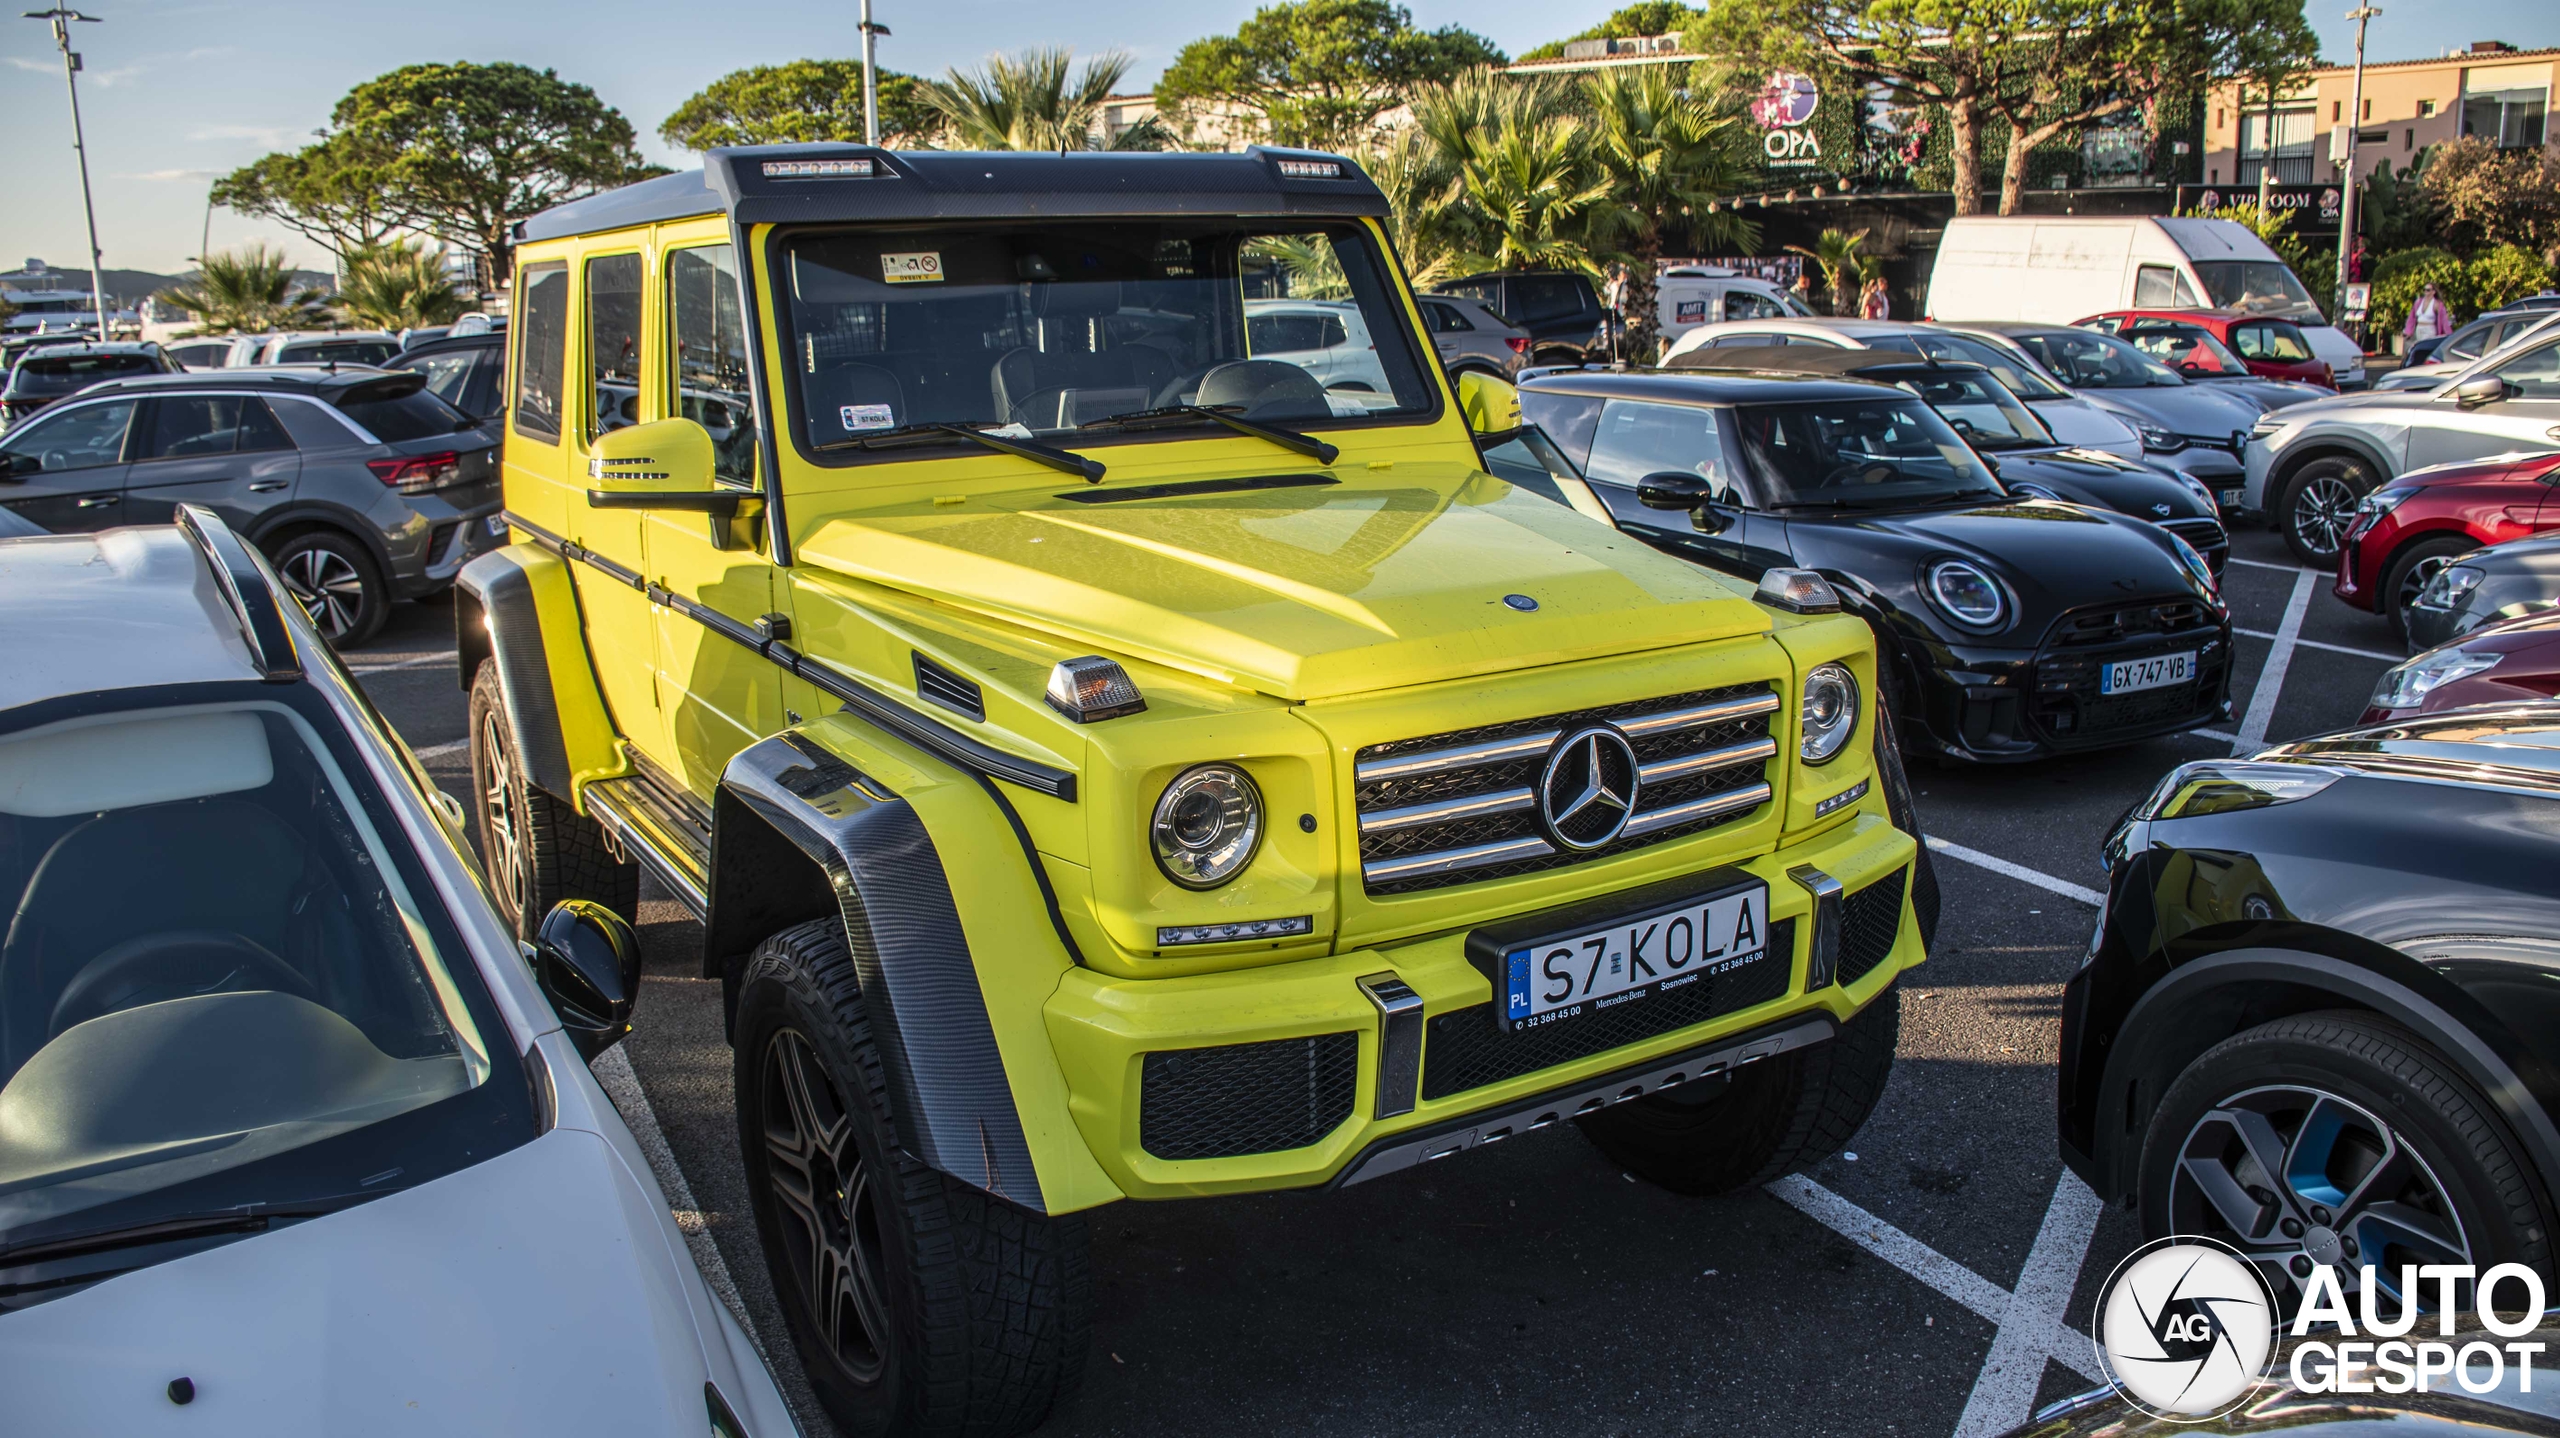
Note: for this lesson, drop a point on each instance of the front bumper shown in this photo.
(2006, 706)
(456, 535)
(2215, 467)
(1454, 1093)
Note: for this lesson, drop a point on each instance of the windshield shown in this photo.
(1055, 327)
(418, 414)
(1980, 408)
(2023, 379)
(61, 374)
(2087, 359)
(219, 985)
(367, 352)
(2263, 287)
(1857, 454)
(2191, 350)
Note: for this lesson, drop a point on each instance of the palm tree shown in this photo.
(1844, 267)
(1500, 177)
(399, 286)
(245, 290)
(1663, 155)
(1030, 101)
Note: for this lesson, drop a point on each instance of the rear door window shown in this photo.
(188, 425)
(541, 350)
(1445, 319)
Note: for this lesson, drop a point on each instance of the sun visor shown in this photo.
(92, 766)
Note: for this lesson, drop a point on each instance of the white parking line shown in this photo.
(414, 661)
(438, 751)
(2019, 872)
(2004, 1393)
(613, 1070)
(2039, 1327)
(2262, 564)
(2324, 644)
(2262, 698)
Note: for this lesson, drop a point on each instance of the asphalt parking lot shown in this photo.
(1935, 1279)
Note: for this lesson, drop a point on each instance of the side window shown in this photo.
(1548, 297)
(83, 438)
(542, 329)
(2184, 296)
(2250, 341)
(1570, 420)
(1445, 319)
(613, 344)
(1637, 439)
(1745, 341)
(187, 425)
(2153, 285)
(448, 376)
(1329, 333)
(2535, 374)
(259, 431)
(1744, 305)
(707, 334)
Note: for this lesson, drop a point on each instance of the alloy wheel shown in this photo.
(2321, 513)
(2414, 583)
(505, 822)
(331, 590)
(2294, 1176)
(822, 1191)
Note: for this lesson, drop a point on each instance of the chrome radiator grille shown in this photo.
(1463, 807)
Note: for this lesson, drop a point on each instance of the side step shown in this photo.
(665, 829)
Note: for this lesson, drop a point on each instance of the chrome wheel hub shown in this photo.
(329, 588)
(2321, 513)
(822, 1195)
(505, 833)
(2295, 1177)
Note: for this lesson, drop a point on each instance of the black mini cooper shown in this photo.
(2318, 1021)
(2011, 627)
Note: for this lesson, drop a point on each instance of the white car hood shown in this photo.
(2075, 421)
(531, 1294)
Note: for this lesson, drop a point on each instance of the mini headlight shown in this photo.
(1830, 712)
(2408, 685)
(1966, 595)
(2449, 587)
(2157, 440)
(1207, 826)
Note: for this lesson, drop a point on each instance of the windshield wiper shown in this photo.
(1070, 461)
(1306, 444)
(246, 1218)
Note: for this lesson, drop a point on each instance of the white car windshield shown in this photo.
(2258, 287)
(222, 984)
(1046, 330)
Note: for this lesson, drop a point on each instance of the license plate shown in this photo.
(1570, 975)
(497, 526)
(2157, 672)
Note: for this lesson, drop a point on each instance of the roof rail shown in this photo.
(244, 586)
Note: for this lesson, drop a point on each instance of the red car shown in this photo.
(2209, 342)
(2417, 524)
(2504, 663)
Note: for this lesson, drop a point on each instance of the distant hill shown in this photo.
(133, 286)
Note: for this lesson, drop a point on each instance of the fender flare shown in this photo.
(519, 606)
(798, 832)
(2153, 1041)
(319, 514)
(2317, 442)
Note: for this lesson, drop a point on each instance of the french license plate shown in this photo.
(1570, 975)
(2157, 672)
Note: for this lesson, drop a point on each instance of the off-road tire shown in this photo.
(2409, 571)
(2339, 483)
(987, 1306)
(1758, 1122)
(557, 853)
(333, 576)
(2394, 1076)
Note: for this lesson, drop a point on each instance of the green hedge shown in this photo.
(2398, 278)
(2507, 274)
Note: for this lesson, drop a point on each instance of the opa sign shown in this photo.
(1783, 107)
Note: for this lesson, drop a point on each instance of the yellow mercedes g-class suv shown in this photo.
(1049, 617)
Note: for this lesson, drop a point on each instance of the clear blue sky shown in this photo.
(179, 91)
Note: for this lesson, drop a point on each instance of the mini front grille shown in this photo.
(2066, 703)
(1466, 1049)
(1870, 920)
(1246, 1098)
(1462, 807)
(2133, 621)
(937, 685)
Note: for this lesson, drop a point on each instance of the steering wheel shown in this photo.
(1873, 471)
(172, 964)
(1961, 426)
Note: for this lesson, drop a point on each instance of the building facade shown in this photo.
(2492, 91)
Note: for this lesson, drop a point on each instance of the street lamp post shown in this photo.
(871, 34)
(2347, 177)
(62, 18)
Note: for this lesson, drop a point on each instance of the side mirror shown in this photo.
(664, 464)
(2478, 390)
(19, 466)
(588, 962)
(1491, 405)
(1671, 489)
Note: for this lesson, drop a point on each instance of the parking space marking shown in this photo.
(613, 1070)
(2037, 1326)
(2264, 564)
(2262, 698)
(414, 661)
(2019, 872)
(2324, 644)
(438, 751)
(2004, 1394)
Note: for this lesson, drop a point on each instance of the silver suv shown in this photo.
(2309, 465)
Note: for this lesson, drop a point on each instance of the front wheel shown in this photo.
(2337, 1138)
(919, 1305)
(1758, 1122)
(2410, 570)
(2318, 503)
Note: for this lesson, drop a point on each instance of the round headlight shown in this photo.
(1207, 826)
(1966, 595)
(1830, 712)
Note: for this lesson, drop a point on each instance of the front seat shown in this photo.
(1066, 380)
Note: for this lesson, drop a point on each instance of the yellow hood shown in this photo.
(1376, 581)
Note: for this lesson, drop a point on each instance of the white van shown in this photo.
(1687, 296)
(2056, 270)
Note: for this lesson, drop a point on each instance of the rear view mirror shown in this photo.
(588, 962)
(1491, 405)
(2479, 390)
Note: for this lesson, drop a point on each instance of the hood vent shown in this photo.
(937, 685)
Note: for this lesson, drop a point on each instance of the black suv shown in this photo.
(358, 483)
(465, 371)
(1558, 308)
(44, 375)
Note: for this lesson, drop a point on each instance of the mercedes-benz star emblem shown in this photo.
(1589, 790)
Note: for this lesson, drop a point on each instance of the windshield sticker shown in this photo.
(868, 416)
(921, 267)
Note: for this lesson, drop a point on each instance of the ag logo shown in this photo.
(2184, 1328)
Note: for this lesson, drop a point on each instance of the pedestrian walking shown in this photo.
(2358, 263)
(2429, 319)
(1802, 289)
(1873, 302)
